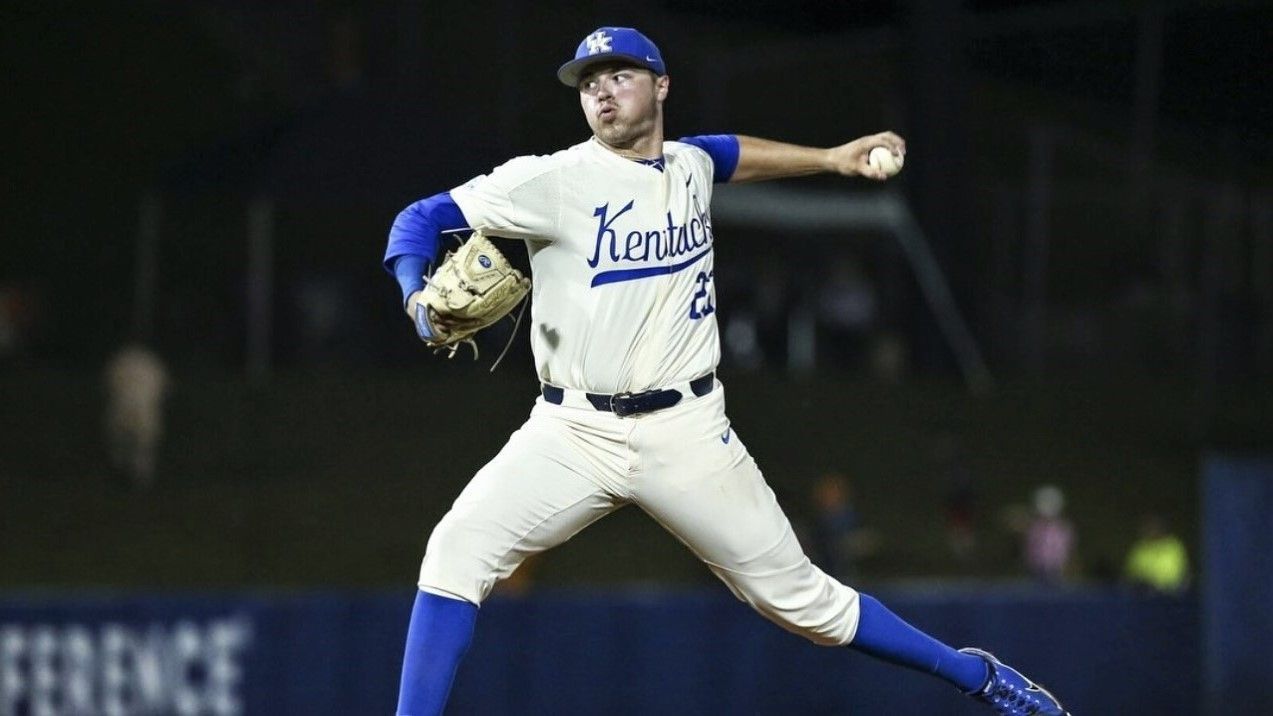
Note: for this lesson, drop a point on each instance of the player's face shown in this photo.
(622, 103)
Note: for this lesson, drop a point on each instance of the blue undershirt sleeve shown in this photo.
(410, 269)
(416, 236)
(722, 148)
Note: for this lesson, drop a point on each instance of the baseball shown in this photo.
(884, 159)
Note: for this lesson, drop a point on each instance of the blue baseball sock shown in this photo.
(884, 635)
(440, 631)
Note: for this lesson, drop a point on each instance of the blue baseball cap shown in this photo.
(610, 43)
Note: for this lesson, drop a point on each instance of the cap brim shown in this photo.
(572, 71)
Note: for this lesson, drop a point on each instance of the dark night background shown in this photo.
(1093, 177)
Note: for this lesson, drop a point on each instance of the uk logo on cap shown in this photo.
(610, 43)
(598, 41)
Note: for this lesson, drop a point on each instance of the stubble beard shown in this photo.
(618, 135)
(625, 134)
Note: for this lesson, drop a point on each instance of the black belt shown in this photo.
(622, 404)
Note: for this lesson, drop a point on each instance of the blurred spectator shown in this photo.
(889, 357)
(9, 311)
(772, 301)
(136, 384)
(846, 311)
(742, 341)
(325, 318)
(960, 499)
(1049, 537)
(346, 51)
(754, 306)
(19, 311)
(1158, 560)
(840, 539)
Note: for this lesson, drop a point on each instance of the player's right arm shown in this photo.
(760, 159)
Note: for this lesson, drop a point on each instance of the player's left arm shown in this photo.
(415, 238)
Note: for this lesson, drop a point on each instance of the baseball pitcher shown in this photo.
(623, 329)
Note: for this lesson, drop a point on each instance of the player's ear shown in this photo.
(660, 87)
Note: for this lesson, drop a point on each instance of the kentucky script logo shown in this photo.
(642, 253)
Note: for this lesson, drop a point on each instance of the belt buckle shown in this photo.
(626, 409)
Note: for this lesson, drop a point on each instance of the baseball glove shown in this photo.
(471, 289)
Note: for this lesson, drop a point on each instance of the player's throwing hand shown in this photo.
(853, 158)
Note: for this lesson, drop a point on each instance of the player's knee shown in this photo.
(813, 606)
(454, 566)
(451, 566)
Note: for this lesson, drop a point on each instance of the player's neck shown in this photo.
(649, 146)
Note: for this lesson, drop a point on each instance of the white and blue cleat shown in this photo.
(1010, 693)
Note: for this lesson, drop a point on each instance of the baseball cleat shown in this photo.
(1010, 693)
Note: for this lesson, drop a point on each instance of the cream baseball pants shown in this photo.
(570, 465)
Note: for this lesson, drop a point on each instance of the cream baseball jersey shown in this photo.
(621, 258)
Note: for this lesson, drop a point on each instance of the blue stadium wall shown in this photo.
(1237, 585)
(632, 652)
